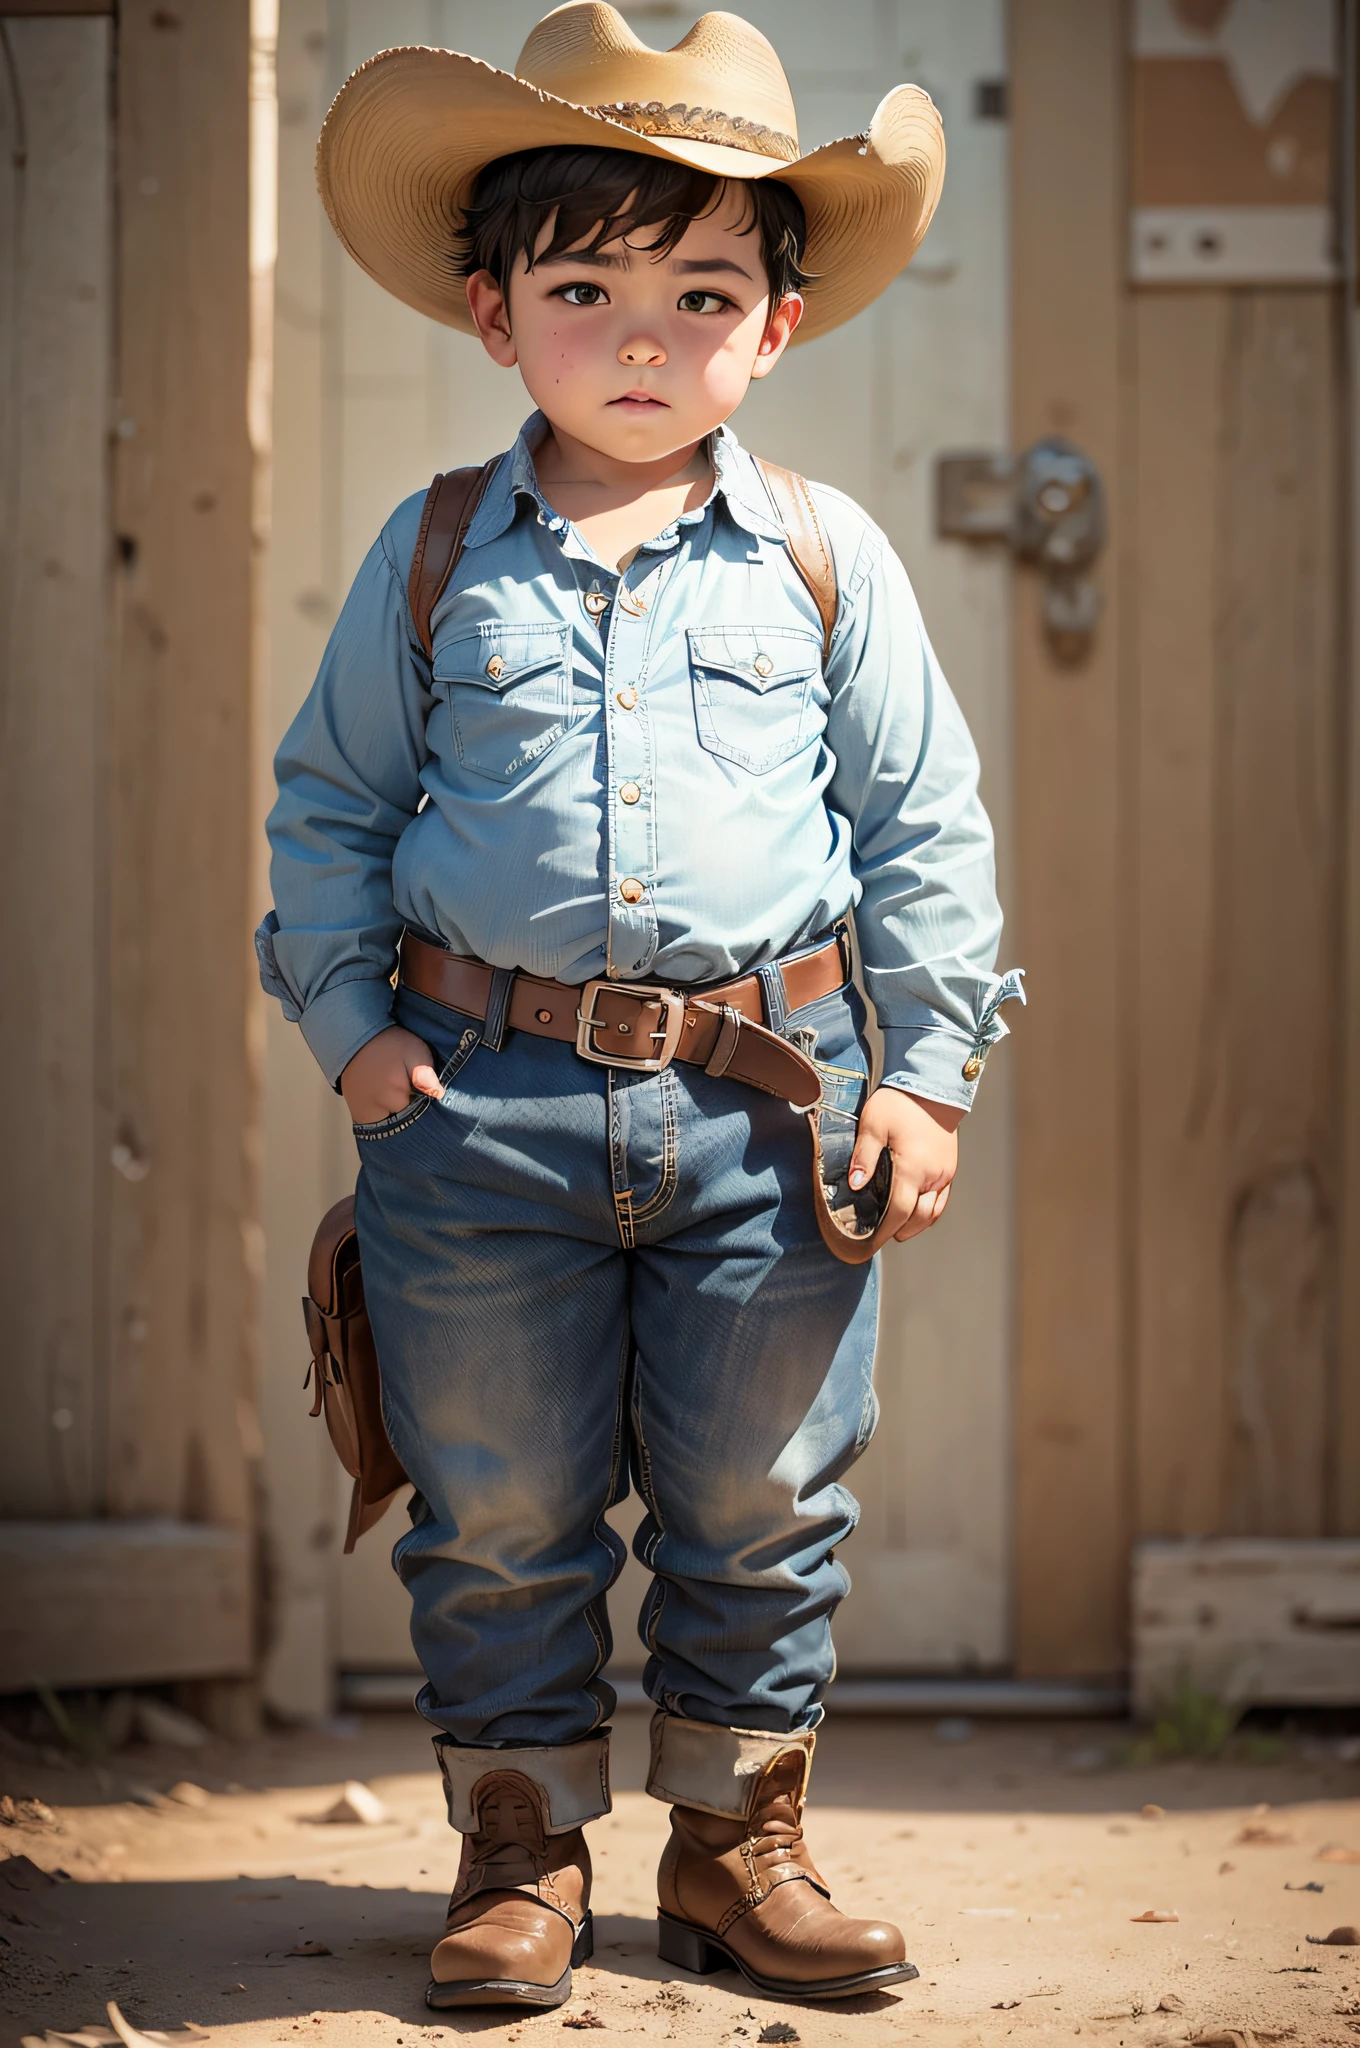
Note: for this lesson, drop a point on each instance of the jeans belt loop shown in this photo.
(774, 994)
(497, 1007)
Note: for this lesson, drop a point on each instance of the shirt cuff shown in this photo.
(928, 1061)
(341, 1019)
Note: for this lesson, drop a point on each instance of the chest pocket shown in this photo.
(509, 692)
(753, 691)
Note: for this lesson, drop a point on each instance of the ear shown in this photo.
(491, 316)
(778, 334)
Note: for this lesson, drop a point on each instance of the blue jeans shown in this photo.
(580, 1276)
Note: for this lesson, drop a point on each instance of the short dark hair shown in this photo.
(615, 192)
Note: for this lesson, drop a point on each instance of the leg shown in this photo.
(753, 1395)
(497, 1292)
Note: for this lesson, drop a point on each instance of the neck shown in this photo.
(562, 459)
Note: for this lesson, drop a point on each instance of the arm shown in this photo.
(927, 918)
(349, 785)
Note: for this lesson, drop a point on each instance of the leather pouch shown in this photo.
(343, 1373)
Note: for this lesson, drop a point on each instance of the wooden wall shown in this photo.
(1181, 804)
(130, 1237)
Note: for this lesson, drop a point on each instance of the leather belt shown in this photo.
(643, 1026)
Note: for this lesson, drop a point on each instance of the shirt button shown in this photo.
(495, 668)
(597, 603)
(630, 793)
(627, 698)
(972, 1067)
(762, 665)
(632, 890)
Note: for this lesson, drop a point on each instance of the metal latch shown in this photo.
(1048, 505)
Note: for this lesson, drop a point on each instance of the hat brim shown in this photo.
(408, 132)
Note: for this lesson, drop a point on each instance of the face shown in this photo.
(639, 355)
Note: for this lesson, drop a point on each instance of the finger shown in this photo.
(864, 1158)
(426, 1080)
(924, 1213)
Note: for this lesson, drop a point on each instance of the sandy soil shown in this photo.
(1017, 1860)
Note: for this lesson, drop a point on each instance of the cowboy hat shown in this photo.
(408, 132)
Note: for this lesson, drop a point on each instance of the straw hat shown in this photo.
(409, 131)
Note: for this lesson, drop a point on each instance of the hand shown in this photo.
(921, 1136)
(384, 1075)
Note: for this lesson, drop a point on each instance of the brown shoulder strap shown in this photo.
(449, 505)
(809, 548)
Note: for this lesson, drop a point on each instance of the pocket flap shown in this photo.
(762, 657)
(497, 655)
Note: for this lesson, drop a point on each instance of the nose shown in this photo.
(642, 352)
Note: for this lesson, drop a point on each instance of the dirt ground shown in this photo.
(1017, 1857)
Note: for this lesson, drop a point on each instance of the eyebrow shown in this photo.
(599, 259)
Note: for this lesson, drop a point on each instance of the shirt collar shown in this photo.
(736, 482)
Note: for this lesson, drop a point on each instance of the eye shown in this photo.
(583, 294)
(703, 302)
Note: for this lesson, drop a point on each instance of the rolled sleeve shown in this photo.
(927, 916)
(349, 780)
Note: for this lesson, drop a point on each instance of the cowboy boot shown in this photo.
(519, 1917)
(737, 1885)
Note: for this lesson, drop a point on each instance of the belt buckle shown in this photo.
(672, 1024)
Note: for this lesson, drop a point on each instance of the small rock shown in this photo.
(159, 1723)
(583, 2019)
(357, 1804)
(1256, 1835)
(1153, 1812)
(1224, 1868)
(308, 1948)
(1169, 2002)
(779, 2030)
(1340, 1937)
(1336, 1852)
(188, 1794)
(1005, 2005)
(1311, 1886)
(1156, 1913)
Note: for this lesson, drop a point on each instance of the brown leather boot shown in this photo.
(519, 1917)
(737, 1885)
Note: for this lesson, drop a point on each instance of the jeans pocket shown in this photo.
(402, 1119)
(829, 1033)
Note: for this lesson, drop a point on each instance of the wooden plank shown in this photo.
(183, 995)
(121, 1603)
(1278, 743)
(1180, 972)
(307, 1155)
(55, 313)
(1071, 1507)
(1249, 1622)
(1346, 1446)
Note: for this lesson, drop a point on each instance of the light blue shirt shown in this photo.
(647, 776)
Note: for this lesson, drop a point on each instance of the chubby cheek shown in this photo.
(559, 364)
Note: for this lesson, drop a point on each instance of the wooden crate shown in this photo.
(122, 1603)
(1254, 1622)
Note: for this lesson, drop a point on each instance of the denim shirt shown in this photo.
(648, 776)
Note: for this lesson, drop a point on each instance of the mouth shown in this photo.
(640, 401)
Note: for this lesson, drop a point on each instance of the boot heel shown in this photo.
(688, 1947)
(583, 1948)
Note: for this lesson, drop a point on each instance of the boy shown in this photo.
(667, 719)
